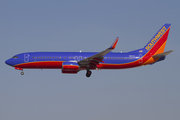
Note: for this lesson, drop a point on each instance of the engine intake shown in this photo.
(70, 67)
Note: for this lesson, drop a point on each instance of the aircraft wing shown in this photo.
(93, 61)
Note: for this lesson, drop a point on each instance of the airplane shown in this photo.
(73, 62)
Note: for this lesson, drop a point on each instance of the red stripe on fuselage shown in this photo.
(42, 64)
(120, 66)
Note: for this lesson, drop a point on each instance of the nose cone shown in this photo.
(9, 62)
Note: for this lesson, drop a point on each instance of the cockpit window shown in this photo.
(15, 57)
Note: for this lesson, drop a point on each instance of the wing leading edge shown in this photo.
(93, 61)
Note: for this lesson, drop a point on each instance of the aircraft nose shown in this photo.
(8, 62)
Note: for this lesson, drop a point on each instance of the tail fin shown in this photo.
(157, 44)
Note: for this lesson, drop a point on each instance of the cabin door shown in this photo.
(140, 58)
(26, 57)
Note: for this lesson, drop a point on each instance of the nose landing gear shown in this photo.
(17, 68)
(88, 73)
(22, 73)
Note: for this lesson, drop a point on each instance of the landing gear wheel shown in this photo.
(22, 73)
(88, 74)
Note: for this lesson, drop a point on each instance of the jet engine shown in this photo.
(70, 67)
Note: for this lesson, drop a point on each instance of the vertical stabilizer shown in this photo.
(157, 44)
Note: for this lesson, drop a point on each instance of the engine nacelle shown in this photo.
(70, 67)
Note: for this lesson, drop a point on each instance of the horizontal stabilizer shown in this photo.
(162, 54)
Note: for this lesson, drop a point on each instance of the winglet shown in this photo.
(114, 43)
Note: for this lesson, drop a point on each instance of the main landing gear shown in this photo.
(88, 73)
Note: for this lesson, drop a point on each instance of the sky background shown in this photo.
(145, 93)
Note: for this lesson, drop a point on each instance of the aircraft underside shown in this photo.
(73, 69)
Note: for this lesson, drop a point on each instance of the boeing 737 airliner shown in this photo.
(73, 62)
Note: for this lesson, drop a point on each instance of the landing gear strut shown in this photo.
(17, 68)
(88, 73)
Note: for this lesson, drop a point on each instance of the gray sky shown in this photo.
(144, 93)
